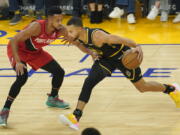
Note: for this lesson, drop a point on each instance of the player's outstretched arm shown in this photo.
(94, 55)
(82, 48)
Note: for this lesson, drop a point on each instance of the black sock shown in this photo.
(78, 114)
(54, 92)
(169, 88)
(8, 102)
(99, 18)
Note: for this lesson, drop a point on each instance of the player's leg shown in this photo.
(172, 90)
(57, 79)
(146, 86)
(13, 93)
(152, 86)
(96, 75)
(98, 72)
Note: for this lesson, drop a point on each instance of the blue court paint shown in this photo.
(164, 72)
(84, 58)
(150, 72)
(3, 33)
(79, 72)
(6, 69)
(31, 72)
(18, 30)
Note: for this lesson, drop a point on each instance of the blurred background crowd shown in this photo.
(96, 10)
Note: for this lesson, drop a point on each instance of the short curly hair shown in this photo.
(54, 10)
(76, 21)
(90, 131)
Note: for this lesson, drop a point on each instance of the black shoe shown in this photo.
(16, 19)
(93, 17)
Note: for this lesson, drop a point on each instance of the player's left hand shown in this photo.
(68, 40)
(138, 49)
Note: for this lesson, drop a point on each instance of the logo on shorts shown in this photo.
(120, 57)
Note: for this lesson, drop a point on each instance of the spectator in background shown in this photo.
(119, 8)
(96, 10)
(51, 3)
(77, 5)
(39, 7)
(3, 3)
(163, 7)
(14, 6)
(90, 131)
(4, 10)
(177, 18)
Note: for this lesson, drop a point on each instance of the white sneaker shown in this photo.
(131, 19)
(164, 16)
(153, 13)
(69, 120)
(177, 19)
(116, 13)
(177, 86)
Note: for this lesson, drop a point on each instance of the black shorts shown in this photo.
(109, 65)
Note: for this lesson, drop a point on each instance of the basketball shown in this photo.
(130, 59)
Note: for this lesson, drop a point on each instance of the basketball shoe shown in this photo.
(4, 116)
(175, 95)
(56, 102)
(69, 120)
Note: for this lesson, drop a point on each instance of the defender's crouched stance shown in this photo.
(26, 48)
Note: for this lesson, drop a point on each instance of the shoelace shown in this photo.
(56, 98)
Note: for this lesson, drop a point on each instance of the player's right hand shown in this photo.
(140, 53)
(20, 68)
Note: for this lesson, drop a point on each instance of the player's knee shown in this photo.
(90, 81)
(62, 72)
(59, 72)
(21, 79)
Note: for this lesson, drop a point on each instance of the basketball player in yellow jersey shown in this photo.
(110, 48)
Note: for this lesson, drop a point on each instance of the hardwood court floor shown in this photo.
(116, 107)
